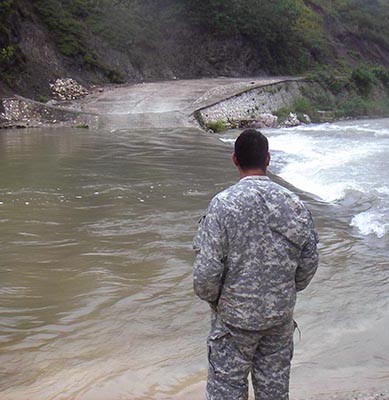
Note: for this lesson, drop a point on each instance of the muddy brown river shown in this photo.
(95, 266)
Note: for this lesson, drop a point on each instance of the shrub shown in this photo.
(11, 63)
(331, 79)
(364, 79)
(382, 107)
(42, 98)
(353, 107)
(68, 45)
(381, 74)
(217, 126)
(82, 125)
(282, 113)
(68, 32)
(7, 55)
(113, 75)
(303, 105)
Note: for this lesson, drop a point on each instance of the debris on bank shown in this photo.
(68, 89)
(62, 109)
(295, 120)
(18, 112)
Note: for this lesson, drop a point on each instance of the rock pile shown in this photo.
(294, 120)
(17, 112)
(265, 120)
(67, 89)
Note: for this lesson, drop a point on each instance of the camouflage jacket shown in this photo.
(255, 248)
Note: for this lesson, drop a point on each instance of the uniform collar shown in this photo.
(254, 177)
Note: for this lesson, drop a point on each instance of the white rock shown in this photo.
(265, 121)
(68, 89)
(292, 120)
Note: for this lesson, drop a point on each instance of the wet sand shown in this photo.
(197, 392)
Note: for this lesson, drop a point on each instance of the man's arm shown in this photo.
(309, 258)
(210, 245)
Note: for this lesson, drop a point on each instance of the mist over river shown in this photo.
(96, 257)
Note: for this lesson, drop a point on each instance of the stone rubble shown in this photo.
(18, 112)
(67, 89)
(264, 121)
(294, 120)
(291, 121)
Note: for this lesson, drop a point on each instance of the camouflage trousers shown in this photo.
(234, 353)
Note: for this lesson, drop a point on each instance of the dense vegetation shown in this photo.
(11, 57)
(290, 35)
(287, 34)
(363, 91)
(283, 36)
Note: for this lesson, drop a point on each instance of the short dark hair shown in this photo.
(251, 149)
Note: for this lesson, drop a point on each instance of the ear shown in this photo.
(268, 159)
(234, 159)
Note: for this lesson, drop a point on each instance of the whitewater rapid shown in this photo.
(344, 163)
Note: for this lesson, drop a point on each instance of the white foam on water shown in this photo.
(227, 140)
(345, 162)
(383, 190)
(384, 132)
(370, 222)
(316, 166)
(356, 127)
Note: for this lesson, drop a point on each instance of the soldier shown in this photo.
(255, 248)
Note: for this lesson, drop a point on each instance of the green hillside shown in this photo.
(99, 41)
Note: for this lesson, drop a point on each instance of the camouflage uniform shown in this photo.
(255, 248)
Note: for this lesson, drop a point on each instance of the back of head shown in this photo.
(251, 150)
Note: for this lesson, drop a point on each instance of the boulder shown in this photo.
(265, 121)
(306, 119)
(291, 121)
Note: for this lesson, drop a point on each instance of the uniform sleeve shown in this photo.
(309, 258)
(210, 245)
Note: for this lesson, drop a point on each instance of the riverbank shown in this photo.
(256, 107)
(209, 104)
(320, 97)
(166, 104)
(18, 112)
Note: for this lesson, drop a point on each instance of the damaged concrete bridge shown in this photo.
(162, 105)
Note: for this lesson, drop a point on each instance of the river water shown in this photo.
(95, 267)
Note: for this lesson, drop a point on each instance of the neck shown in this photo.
(251, 172)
